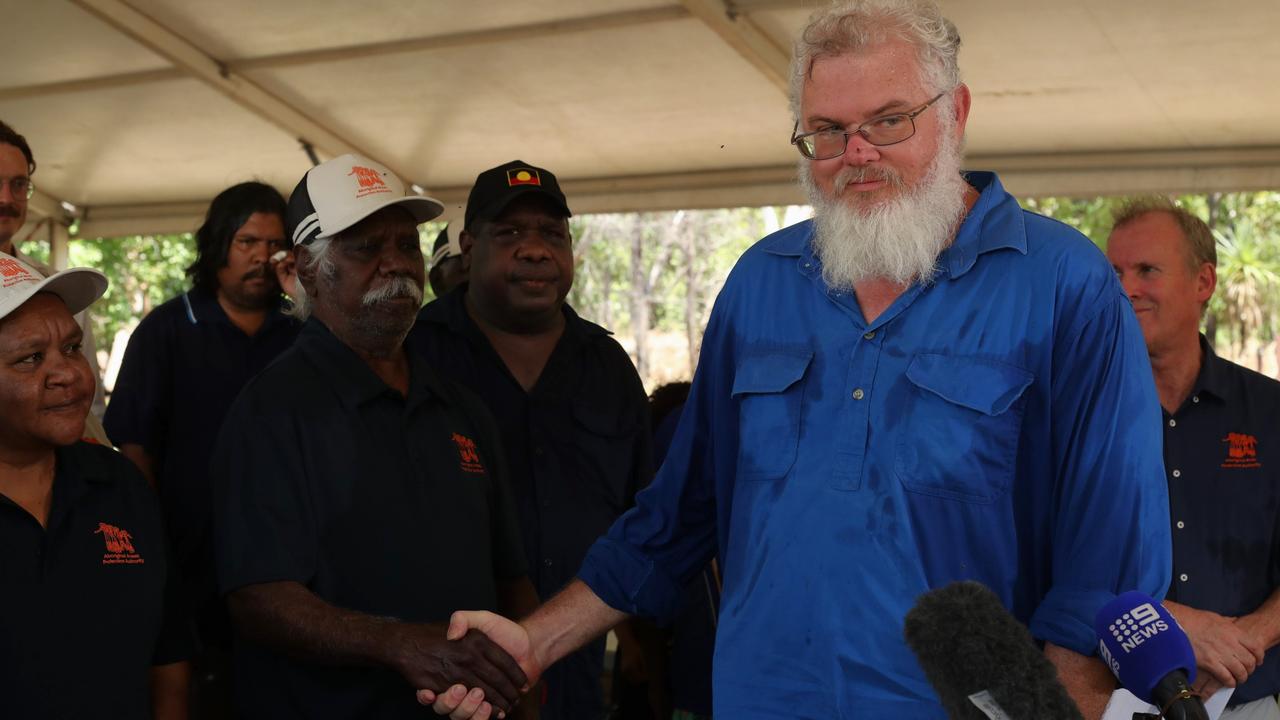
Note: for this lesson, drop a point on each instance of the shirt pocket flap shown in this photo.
(770, 372)
(606, 422)
(987, 386)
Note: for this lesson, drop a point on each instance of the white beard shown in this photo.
(898, 240)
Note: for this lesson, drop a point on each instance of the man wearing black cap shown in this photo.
(570, 406)
(447, 268)
(360, 499)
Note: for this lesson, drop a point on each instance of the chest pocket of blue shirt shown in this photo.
(769, 388)
(962, 421)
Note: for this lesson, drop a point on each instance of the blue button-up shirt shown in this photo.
(998, 423)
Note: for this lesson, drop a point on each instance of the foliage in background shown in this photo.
(1242, 312)
(638, 273)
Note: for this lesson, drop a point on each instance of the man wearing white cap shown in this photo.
(349, 479)
(447, 268)
(85, 625)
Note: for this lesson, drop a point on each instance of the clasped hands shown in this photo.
(495, 665)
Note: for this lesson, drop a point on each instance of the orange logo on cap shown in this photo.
(370, 181)
(1242, 451)
(12, 272)
(523, 176)
(119, 542)
(470, 459)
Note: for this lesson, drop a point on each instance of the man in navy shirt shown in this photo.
(186, 362)
(360, 498)
(922, 385)
(1221, 453)
(571, 408)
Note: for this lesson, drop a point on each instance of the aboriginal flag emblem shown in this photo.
(523, 176)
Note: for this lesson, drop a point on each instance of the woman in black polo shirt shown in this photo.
(83, 579)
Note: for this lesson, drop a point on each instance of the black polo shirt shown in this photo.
(185, 363)
(83, 609)
(1222, 459)
(326, 476)
(578, 446)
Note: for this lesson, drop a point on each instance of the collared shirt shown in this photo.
(578, 447)
(377, 502)
(994, 424)
(1222, 456)
(87, 606)
(185, 363)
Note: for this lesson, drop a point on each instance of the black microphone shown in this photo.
(981, 661)
(1150, 655)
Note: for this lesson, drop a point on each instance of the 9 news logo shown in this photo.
(1137, 626)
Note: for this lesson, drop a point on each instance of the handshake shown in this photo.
(481, 672)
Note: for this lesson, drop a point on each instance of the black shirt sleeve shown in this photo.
(140, 402)
(263, 527)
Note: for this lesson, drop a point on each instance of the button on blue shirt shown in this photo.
(999, 423)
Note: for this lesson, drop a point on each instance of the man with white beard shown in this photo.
(923, 385)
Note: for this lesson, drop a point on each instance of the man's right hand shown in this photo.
(467, 658)
(1223, 650)
(511, 637)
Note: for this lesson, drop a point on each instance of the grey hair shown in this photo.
(852, 25)
(317, 260)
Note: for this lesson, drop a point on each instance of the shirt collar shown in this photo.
(351, 378)
(450, 310)
(202, 306)
(1212, 378)
(993, 223)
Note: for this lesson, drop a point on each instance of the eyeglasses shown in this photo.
(831, 142)
(20, 187)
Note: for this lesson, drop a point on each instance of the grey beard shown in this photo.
(898, 240)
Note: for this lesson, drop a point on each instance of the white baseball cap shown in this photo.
(337, 194)
(78, 287)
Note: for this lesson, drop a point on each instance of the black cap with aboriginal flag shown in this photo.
(496, 188)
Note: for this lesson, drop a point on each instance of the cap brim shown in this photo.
(495, 209)
(77, 287)
(421, 207)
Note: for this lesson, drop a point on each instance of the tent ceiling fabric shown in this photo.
(140, 110)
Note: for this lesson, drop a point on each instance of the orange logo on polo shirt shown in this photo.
(370, 181)
(12, 272)
(119, 546)
(469, 458)
(523, 176)
(1242, 451)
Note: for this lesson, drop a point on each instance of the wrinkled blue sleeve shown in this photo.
(642, 564)
(1111, 528)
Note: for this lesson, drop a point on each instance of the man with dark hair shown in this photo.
(360, 498)
(1221, 457)
(448, 270)
(17, 165)
(185, 363)
(572, 410)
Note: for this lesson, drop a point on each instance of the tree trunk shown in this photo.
(692, 291)
(639, 298)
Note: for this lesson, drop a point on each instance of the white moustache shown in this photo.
(394, 289)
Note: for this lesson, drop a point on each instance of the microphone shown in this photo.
(980, 660)
(1149, 654)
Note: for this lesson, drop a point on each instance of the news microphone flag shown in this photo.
(1142, 643)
